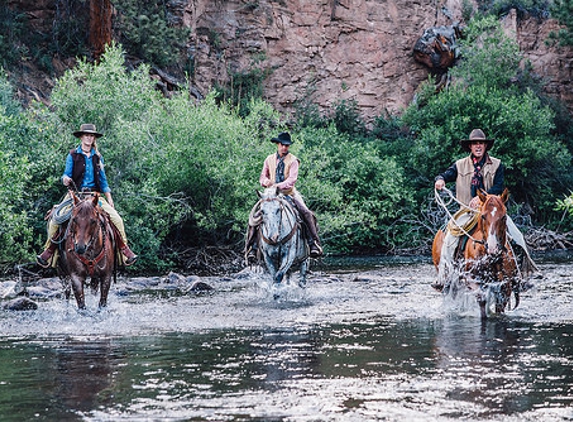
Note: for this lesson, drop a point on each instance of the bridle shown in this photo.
(503, 247)
(283, 205)
(90, 263)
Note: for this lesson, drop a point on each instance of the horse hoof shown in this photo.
(437, 286)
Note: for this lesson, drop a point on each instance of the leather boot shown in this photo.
(129, 256)
(315, 248)
(313, 242)
(44, 258)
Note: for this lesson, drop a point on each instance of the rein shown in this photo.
(91, 263)
(294, 227)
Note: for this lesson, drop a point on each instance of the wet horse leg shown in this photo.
(78, 288)
(303, 271)
(287, 256)
(270, 264)
(105, 285)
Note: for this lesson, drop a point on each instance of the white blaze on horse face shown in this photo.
(492, 241)
(493, 245)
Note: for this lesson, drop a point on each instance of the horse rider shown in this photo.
(85, 172)
(280, 170)
(478, 170)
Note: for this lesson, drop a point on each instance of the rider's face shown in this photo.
(87, 139)
(478, 149)
(282, 149)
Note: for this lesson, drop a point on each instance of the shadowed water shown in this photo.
(365, 341)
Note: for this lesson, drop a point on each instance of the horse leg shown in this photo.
(78, 288)
(105, 285)
(482, 302)
(66, 283)
(269, 262)
(287, 259)
(303, 271)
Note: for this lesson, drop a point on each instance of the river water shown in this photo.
(367, 340)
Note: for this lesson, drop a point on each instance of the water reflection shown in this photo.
(83, 373)
(373, 346)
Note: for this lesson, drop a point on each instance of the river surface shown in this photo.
(366, 340)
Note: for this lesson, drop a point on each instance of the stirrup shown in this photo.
(42, 262)
(315, 250)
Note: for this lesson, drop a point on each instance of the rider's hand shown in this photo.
(66, 180)
(474, 203)
(440, 183)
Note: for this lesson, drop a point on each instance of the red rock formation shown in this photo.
(331, 50)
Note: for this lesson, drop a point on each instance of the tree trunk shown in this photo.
(101, 12)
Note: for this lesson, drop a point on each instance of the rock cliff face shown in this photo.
(326, 50)
(331, 50)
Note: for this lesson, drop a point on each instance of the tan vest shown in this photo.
(465, 168)
(272, 161)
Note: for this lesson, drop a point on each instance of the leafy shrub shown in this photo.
(518, 121)
(562, 10)
(147, 31)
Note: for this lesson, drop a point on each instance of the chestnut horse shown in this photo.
(88, 249)
(485, 259)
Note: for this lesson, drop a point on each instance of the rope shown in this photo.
(63, 211)
(453, 226)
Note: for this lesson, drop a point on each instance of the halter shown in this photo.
(90, 263)
(295, 226)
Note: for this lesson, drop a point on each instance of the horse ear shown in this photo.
(505, 195)
(95, 201)
(75, 199)
(482, 195)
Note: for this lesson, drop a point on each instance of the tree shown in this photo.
(100, 26)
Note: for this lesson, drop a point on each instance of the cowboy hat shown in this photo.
(87, 128)
(283, 138)
(476, 135)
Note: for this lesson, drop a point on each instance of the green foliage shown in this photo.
(356, 192)
(498, 8)
(243, 87)
(347, 118)
(562, 10)
(467, 10)
(148, 31)
(487, 48)
(12, 26)
(483, 97)
(15, 173)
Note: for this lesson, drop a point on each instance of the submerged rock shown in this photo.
(20, 304)
(200, 286)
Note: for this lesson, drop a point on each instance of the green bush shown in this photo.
(534, 158)
(148, 31)
(562, 10)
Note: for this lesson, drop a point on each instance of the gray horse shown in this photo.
(282, 242)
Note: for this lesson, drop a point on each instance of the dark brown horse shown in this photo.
(88, 250)
(485, 258)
